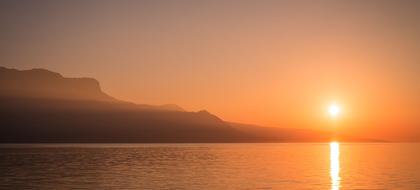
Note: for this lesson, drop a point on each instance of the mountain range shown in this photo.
(41, 106)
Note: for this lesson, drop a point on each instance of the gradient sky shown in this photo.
(275, 63)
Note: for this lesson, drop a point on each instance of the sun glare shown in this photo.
(335, 165)
(334, 110)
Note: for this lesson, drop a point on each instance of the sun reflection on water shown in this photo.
(335, 165)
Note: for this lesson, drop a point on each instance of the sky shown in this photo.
(272, 63)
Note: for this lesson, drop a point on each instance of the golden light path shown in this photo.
(335, 165)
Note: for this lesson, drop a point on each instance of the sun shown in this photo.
(334, 110)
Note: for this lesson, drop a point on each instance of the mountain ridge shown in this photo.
(39, 105)
(49, 84)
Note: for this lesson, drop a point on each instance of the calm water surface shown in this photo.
(210, 166)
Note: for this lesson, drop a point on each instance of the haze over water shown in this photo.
(339, 79)
(211, 166)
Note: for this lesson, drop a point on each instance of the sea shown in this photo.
(283, 166)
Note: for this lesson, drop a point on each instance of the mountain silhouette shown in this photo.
(41, 83)
(40, 106)
(275, 134)
(45, 84)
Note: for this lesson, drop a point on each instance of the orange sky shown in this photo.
(275, 63)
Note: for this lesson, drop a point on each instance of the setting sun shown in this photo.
(334, 110)
(232, 94)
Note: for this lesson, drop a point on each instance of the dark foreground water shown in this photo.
(210, 166)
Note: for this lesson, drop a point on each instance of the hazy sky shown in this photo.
(276, 63)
